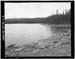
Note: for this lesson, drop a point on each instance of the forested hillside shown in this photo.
(53, 19)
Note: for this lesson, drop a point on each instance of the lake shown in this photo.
(25, 33)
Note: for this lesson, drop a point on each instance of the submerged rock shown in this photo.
(34, 48)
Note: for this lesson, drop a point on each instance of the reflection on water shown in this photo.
(25, 33)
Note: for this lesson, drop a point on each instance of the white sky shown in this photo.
(33, 10)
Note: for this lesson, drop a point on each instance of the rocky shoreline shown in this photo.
(53, 46)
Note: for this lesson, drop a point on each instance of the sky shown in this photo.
(34, 10)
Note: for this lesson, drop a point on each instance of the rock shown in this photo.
(18, 49)
(42, 44)
(10, 46)
(48, 42)
(35, 50)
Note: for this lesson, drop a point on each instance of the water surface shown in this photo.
(25, 33)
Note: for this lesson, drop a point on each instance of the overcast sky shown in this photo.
(33, 10)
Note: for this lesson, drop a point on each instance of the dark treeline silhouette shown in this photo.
(53, 19)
